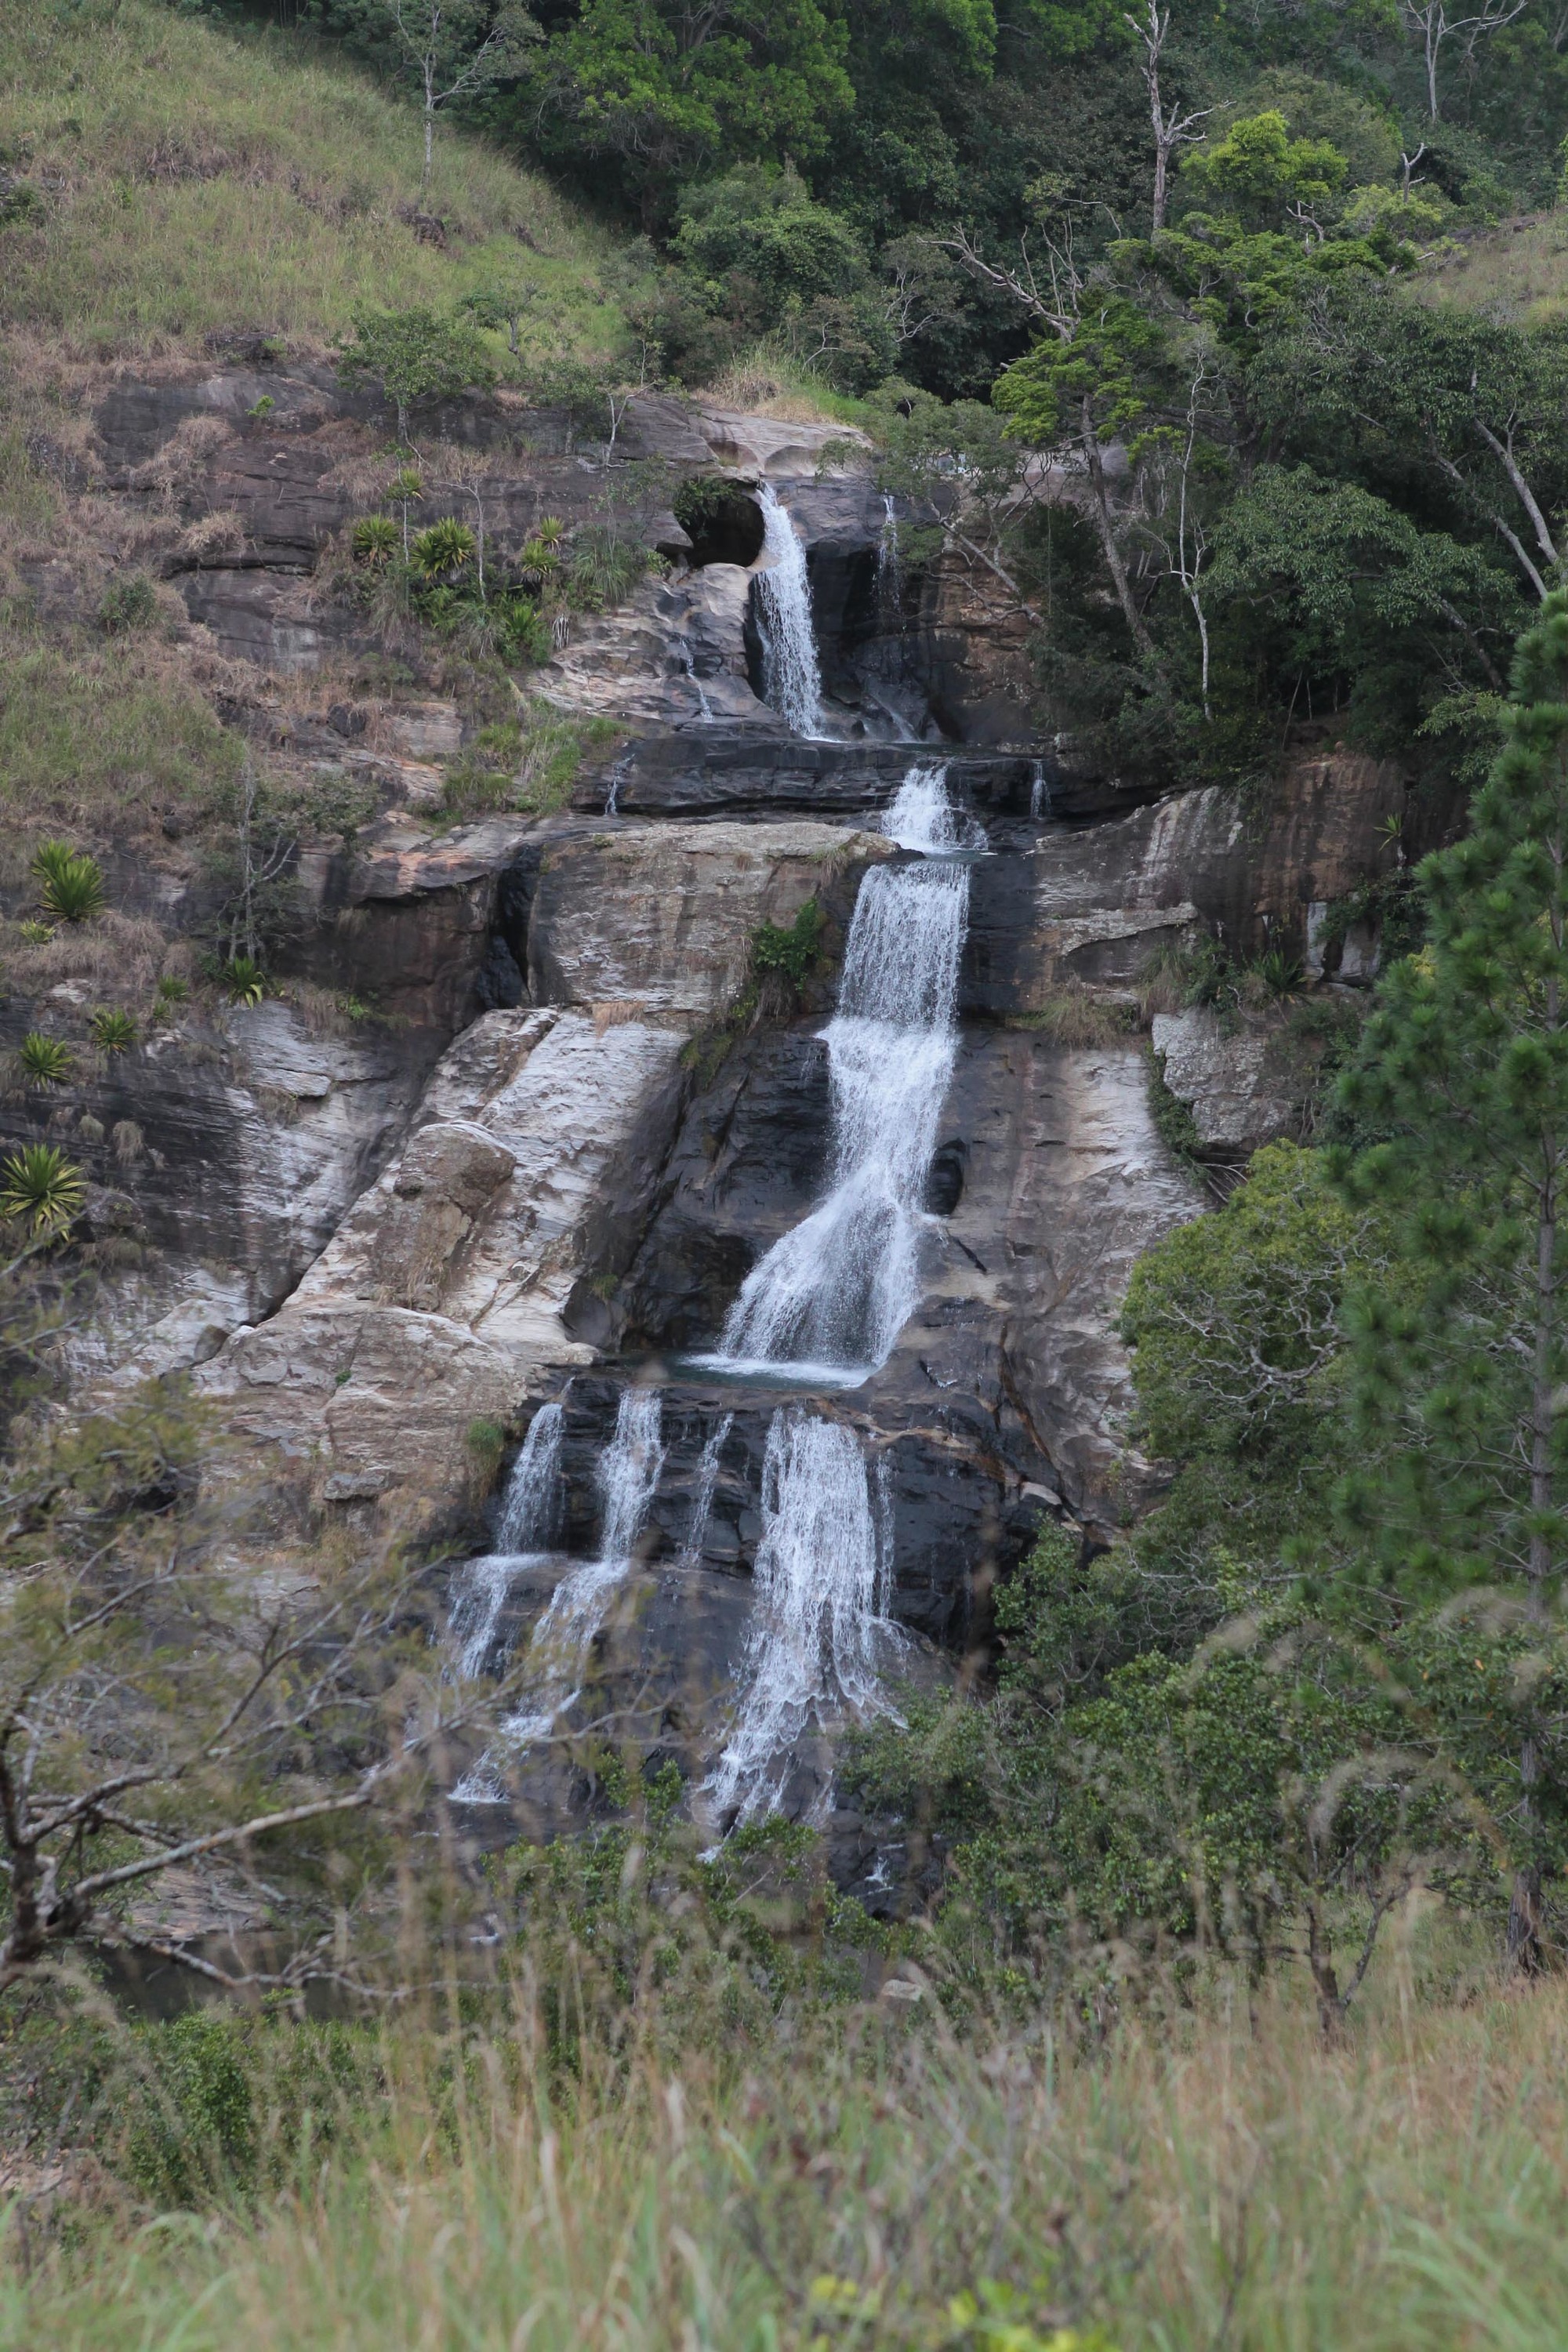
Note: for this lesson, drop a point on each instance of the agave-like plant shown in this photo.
(41, 1187)
(46, 1061)
(113, 1029)
(70, 883)
(551, 529)
(242, 980)
(444, 548)
(375, 541)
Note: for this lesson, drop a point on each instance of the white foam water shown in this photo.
(819, 1612)
(835, 1293)
(1039, 791)
(922, 816)
(528, 1524)
(706, 1481)
(627, 1475)
(792, 680)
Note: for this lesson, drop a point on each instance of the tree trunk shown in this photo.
(1114, 564)
(1325, 1978)
(1161, 169)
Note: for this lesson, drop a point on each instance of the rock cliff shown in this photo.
(530, 1109)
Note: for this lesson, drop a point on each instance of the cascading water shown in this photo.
(921, 817)
(528, 1523)
(889, 565)
(627, 1474)
(706, 1481)
(819, 1612)
(792, 680)
(831, 1298)
(689, 664)
(1039, 791)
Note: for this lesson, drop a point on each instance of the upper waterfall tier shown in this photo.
(833, 1295)
(792, 678)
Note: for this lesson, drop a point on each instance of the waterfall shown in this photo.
(531, 1508)
(890, 569)
(791, 682)
(707, 1480)
(921, 817)
(529, 1523)
(627, 1474)
(818, 1610)
(832, 1296)
(689, 664)
(1039, 791)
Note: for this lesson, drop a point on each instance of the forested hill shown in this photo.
(1283, 284)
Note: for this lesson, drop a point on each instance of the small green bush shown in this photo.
(792, 951)
(127, 605)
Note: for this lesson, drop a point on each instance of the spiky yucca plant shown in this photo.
(113, 1029)
(70, 883)
(40, 1188)
(44, 1060)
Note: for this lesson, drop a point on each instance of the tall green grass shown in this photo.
(745, 2178)
(195, 179)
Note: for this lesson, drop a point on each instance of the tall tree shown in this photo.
(1461, 1365)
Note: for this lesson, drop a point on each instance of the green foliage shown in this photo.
(243, 980)
(70, 883)
(657, 94)
(113, 1029)
(127, 605)
(443, 548)
(1262, 176)
(418, 356)
(103, 731)
(375, 541)
(1235, 1320)
(791, 949)
(1464, 1065)
(44, 1060)
(40, 1188)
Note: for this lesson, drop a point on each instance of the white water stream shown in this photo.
(529, 1522)
(627, 1474)
(819, 1610)
(792, 680)
(830, 1298)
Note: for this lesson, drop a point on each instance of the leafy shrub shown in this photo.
(113, 1030)
(41, 1187)
(791, 950)
(20, 204)
(127, 605)
(70, 884)
(605, 569)
(44, 1060)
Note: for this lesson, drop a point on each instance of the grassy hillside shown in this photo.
(1518, 273)
(859, 2180)
(184, 180)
